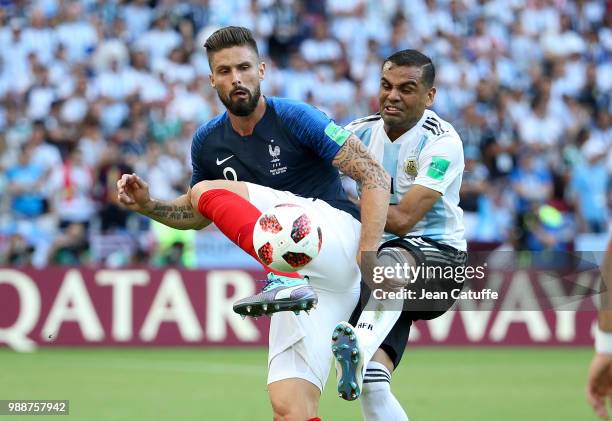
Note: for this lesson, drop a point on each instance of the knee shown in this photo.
(202, 187)
(196, 191)
(395, 257)
(232, 187)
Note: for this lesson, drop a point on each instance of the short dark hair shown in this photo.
(230, 36)
(417, 59)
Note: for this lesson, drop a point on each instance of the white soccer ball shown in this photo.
(287, 237)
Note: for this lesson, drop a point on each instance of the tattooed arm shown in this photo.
(354, 160)
(133, 193)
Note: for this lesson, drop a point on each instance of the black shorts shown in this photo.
(427, 253)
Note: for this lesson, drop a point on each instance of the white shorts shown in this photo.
(300, 345)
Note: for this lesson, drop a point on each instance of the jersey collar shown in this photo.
(404, 137)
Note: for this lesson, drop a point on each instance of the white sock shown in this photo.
(375, 323)
(377, 401)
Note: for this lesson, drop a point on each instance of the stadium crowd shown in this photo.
(92, 89)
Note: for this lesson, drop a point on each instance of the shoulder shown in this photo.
(362, 127)
(288, 107)
(437, 128)
(440, 138)
(435, 125)
(206, 129)
(364, 122)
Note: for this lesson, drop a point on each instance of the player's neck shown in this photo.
(394, 132)
(244, 126)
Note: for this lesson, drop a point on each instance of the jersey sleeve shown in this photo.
(440, 162)
(199, 173)
(313, 128)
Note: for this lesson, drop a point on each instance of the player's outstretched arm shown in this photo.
(411, 209)
(599, 382)
(354, 160)
(133, 193)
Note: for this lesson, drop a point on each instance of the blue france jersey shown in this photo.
(291, 149)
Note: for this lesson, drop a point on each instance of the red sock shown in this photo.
(314, 419)
(235, 217)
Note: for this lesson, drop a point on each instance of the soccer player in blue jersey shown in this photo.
(263, 151)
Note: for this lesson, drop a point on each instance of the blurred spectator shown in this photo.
(76, 33)
(589, 186)
(531, 182)
(286, 30)
(298, 78)
(44, 155)
(321, 49)
(473, 186)
(112, 166)
(500, 142)
(69, 190)
(544, 228)
(25, 184)
(540, 131)
(70, 248)
(18, 252)
(138, 16)
(159, 40)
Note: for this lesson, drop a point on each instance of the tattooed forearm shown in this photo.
(355, 161)
(177, 214)
(172, 212)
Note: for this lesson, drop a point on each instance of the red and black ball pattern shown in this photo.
(296, 260)
(270, 224)
(300, 228)
(265, 253)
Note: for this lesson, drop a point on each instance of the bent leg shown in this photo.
(226, 204)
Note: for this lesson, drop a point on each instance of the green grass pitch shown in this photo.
(222, 384)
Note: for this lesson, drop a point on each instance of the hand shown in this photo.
(133, 192)
(599, 384)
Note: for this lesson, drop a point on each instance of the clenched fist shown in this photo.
(133, 192)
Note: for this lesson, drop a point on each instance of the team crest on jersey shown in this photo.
(410, 166)
(277, 166)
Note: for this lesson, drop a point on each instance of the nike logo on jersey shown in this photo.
(223, 160)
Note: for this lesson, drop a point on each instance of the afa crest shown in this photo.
(411, 167)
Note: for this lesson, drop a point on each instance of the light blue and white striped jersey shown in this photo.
(429, 154)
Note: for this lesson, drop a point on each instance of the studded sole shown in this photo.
(348, 361)
(268, 308)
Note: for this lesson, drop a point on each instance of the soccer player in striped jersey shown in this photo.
(424, 156)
